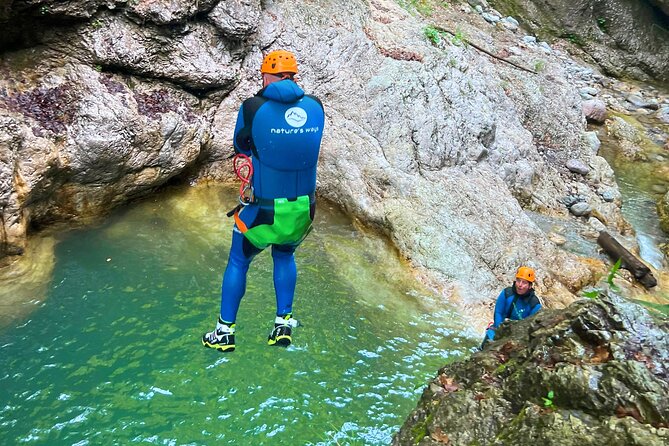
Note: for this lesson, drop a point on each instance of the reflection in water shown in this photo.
(113, 356)
(25, 282)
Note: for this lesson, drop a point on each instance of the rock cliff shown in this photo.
(438, 145)
(592, 374)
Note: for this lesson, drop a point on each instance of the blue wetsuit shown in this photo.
(510, 305)
(281, 129)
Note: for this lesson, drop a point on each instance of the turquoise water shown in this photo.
(112, 354)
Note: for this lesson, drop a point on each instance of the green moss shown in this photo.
(419, 431)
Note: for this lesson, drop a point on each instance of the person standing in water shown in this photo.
(515, 302)
(280, 129)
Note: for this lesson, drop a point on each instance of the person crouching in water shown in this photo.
(515, 302)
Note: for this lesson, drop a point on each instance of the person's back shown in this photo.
(282, 128)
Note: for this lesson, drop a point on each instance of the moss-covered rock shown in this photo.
(595, 373)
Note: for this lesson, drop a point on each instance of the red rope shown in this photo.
(243, 168)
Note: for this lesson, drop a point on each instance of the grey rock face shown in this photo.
(236, 19)
(191, 55)
(595, 373)
(602, 29)
(435, 146)
(116, 138)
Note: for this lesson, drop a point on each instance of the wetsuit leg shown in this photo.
(242, 253)
(285, 277)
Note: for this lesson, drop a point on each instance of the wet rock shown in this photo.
(663, 114)
(594, 373)
(578, 166)
(639, 102)
(580, 209)
(663, 212)
(592, 141)
(570, 200)
(609, 194)
(595, 110)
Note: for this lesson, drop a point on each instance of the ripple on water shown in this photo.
(120, 360)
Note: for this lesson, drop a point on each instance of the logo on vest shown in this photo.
(296, 117)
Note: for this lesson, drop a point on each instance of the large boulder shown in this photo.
(595, 373)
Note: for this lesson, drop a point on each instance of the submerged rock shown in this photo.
(595, 373)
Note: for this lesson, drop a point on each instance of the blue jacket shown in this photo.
(281, 128)
(509, 305)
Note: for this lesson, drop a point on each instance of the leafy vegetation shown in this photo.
(539, 65)
(432, 34)
(601, 23)
(548, 400)
(613, 272)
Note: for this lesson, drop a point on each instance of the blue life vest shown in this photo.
(510, 305)
(281, 127)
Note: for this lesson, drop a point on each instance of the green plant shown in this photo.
(575, 39)
(548, 400)
(97, 23)
(98, 68)
(459, 37)
(539, 65)
(432, 34)
(44, 10)
(601, 23)
(613, 272)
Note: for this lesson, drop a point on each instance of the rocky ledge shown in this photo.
(596, 373)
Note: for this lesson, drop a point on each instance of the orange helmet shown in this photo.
(279, 61)
(525, 272)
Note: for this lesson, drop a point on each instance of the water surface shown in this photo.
(111, 354)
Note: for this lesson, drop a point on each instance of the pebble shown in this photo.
(557, 238)
(578, 166)
(580, 209)
(546, 48)
(607, 195)
(589, 90)
(530, 39)
(569, 200)
(490, 18)
(596, 224)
